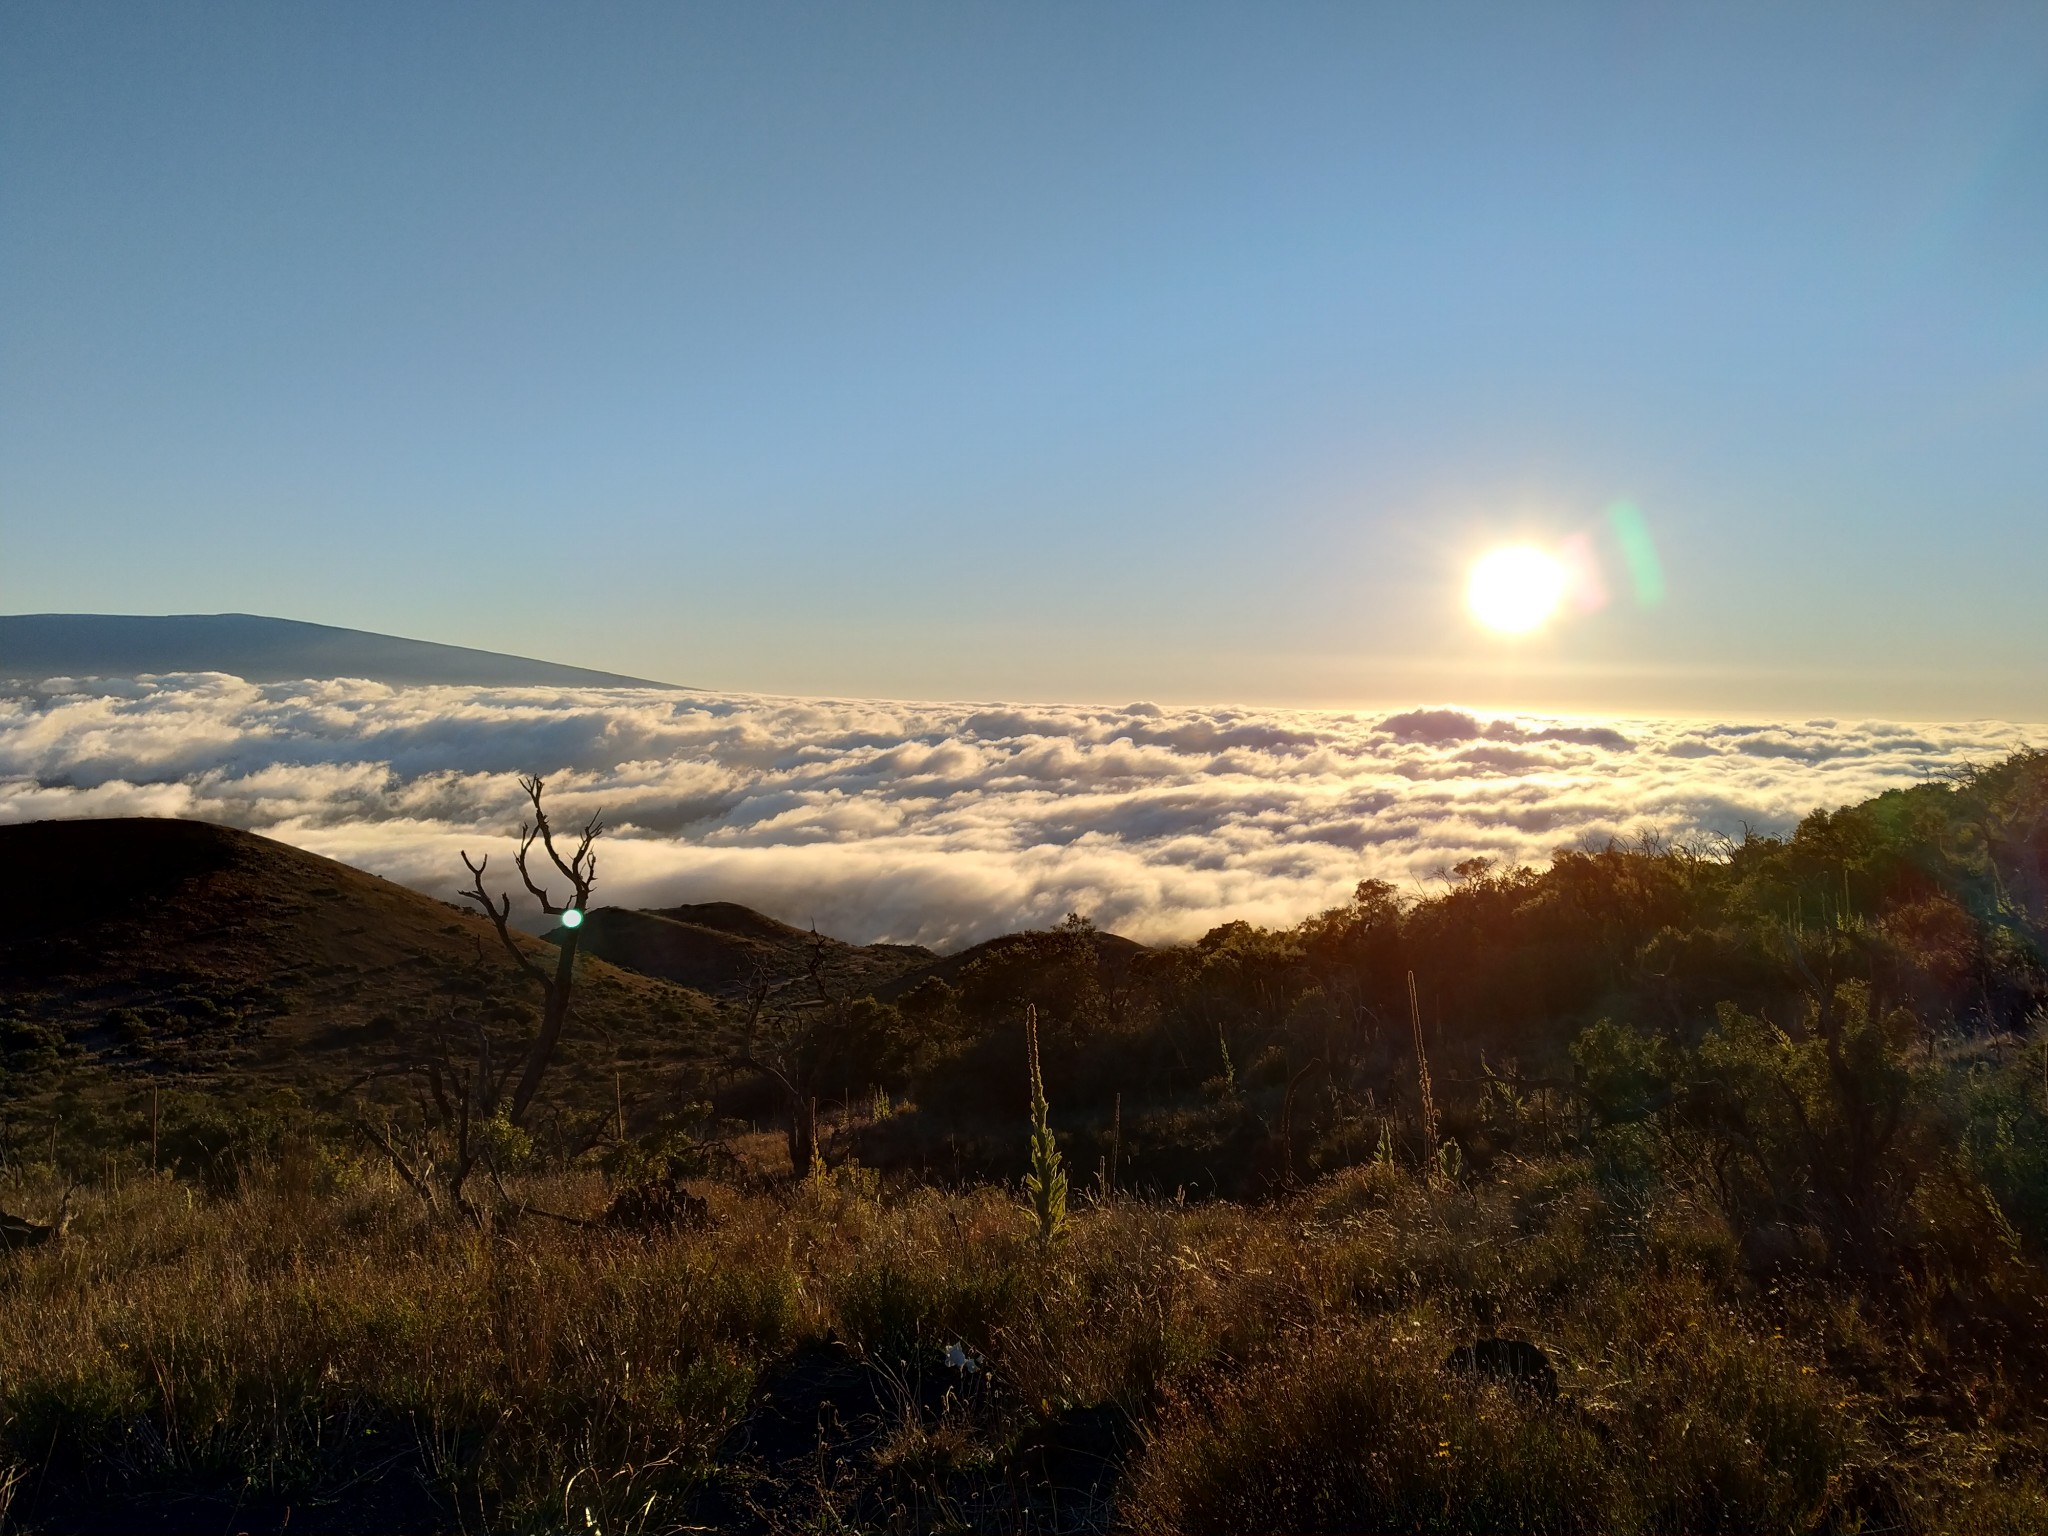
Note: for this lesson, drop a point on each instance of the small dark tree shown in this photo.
(801, 1047)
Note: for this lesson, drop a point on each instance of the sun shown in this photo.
(1515, 588)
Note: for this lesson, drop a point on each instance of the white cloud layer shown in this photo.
(933, 824)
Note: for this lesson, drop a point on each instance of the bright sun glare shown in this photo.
(1515, 588)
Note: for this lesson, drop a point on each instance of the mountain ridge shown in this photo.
(261, 649)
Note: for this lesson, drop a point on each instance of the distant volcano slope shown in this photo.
(34, 646)
(722, 948)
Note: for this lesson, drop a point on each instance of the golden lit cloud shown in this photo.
(932, 823)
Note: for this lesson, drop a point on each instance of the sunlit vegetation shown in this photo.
(1665, 1189)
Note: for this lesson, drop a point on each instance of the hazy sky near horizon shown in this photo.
(1184, 352)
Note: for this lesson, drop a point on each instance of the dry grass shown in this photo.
(1280, 1366)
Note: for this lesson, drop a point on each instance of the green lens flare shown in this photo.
(1638, 551)
(572, 918)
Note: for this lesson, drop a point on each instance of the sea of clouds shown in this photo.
(937, 824)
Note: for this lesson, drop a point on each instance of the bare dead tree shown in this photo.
(473, 1090)
(580, 870)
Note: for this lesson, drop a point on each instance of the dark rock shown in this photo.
(19, 1232)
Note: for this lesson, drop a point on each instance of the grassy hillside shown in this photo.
(312, 1353)
(209, 964)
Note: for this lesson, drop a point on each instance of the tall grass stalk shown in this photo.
(1429, 1149)
(1046, 1184)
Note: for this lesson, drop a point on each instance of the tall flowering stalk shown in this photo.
(1429, 1147)
(1046, 1184)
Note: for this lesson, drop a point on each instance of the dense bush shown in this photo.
(1919, 916)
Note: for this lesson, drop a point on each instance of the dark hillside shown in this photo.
(721, 947)
(1007, 950)
(731, 917)
(174, 950)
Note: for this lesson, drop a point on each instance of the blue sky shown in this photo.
(1062, 352)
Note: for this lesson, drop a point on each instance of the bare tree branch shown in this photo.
(580, 870)
(524, 1208)
(500, 914)
(527, 833)
(398, 1162)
